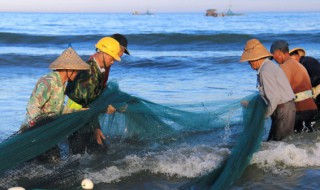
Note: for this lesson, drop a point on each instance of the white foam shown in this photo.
(192, 161)
(184, 161)
(125, 167)
(278, 156)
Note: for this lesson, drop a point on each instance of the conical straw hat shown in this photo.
(69, 59)
(300, 51)
(254, 50)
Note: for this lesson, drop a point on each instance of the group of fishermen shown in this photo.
(82, 82)
(290, 89)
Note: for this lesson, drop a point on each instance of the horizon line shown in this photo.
(162, 12)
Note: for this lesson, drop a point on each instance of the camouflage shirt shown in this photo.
(88, 85)
(47, 97)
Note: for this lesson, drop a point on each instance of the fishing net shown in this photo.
(137, 120)
(232, 168)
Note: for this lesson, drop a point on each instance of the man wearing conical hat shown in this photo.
(87, 87)
(274, 89)
(300, 83)
(47, 98)
(313, 68)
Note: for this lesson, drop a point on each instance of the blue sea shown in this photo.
(176, 59)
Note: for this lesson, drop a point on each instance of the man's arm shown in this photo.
(39, 97)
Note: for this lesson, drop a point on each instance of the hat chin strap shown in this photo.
(68, 78)
(104, 62)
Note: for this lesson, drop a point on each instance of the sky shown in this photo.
(157, 6)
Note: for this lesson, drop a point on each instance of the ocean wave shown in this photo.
(158, 60)
(184, 161)
(279, 157)
(164, 41)
(41, 51)
(8, 38)
(14, 60)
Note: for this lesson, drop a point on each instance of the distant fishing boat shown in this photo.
(231, 13)
(139, 13)
(136, 13)
(148, 13)
(214, 13)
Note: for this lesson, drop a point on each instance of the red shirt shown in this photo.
(300, 81)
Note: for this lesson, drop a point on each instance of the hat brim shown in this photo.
(69, 60)
(126, 51)
(300, 51)
(250, 57)
(254, 50)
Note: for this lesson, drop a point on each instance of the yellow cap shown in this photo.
(109, 46)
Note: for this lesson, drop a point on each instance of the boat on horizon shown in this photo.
(214, 13)
(146, 13)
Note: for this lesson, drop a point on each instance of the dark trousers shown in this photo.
(84, 140)
(283, 120)
(307, 117)
(317, 101)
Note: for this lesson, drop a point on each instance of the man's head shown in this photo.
(108, 50)
(109, 46)
(255, 53)
(123, 43)
(297, 53)
(280, 51)
(71, 62)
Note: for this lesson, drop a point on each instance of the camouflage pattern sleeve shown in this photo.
(39, 97)
(87, 85)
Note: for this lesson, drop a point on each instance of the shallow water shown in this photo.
(177, 60)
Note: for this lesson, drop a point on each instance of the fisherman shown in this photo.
(87, 87)
(47, 99)
(274, 89)
(313, 68)
(298, 77)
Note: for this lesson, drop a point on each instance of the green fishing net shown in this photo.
(232, 168)
(137, 120)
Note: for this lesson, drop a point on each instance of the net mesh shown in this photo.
(139, 120)
(232, 168)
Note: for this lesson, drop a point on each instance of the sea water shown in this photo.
(178, 60)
